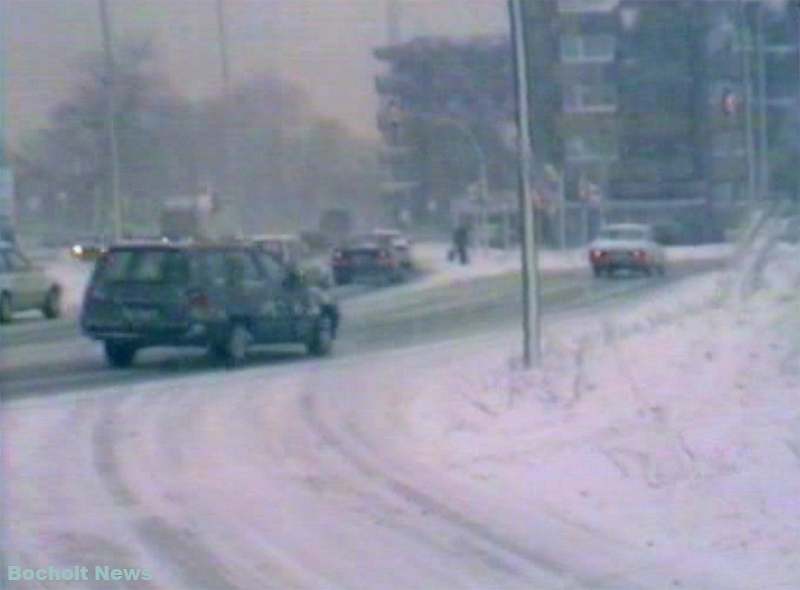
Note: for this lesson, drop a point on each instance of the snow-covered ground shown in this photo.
(669, 434)
(657, 448)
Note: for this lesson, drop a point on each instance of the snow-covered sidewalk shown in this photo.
(670, 433)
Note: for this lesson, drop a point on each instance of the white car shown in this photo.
(626, 246)
(400, 242)
(24, 287)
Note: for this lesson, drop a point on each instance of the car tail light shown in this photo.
(640, 254)
(595, 254)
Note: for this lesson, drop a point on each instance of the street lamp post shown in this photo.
(483, 167)
(530, 272)
(111, 116)
(231, 212)
(480, 156)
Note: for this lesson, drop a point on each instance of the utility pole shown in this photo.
(111, 116)
(530, 271)
(229, 203)
(745, 50)
(763, 138)
(392, 22)
(797, 107)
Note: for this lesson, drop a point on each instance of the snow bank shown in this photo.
(670, 430)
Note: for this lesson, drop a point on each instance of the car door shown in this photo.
(26, 290)
(287, 301)
(243, 286)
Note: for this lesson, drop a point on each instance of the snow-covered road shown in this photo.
(656, 449)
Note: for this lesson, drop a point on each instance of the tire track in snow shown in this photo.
(499, 553)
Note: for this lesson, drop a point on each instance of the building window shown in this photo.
(587, 48)
(590, 98)
(590, 148)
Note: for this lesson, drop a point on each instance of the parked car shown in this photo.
(626, 246)
(221, 296)
(292, 252)
(400, 242)
(25, 287)
(383, 255)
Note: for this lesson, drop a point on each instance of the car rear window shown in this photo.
(151, 266)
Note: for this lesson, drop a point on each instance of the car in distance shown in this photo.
(379, 255)
(24, 287)
(221, 296)
(400, 242)
(292, 252)
(87, 250)
(626, 246)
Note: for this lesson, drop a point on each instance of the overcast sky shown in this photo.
(323, 45)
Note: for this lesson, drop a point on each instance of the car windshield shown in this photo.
(142, 265)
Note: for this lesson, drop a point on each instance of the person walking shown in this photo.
(461, 243)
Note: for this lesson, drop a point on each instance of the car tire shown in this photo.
(119, 355)
(6, 311)
(234, 345)
(52, 303)
(321, 343)
(598, 272)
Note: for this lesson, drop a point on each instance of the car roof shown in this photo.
(639, 226)
(178, 246)
(275, 238)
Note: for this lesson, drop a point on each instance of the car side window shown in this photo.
(241, 267)
(274, 272)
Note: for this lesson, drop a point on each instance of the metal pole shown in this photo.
(797, 107)
(762, 110)
(231, 206)
(530, 283)
(562, 196)
(744, 43)
(111, 116)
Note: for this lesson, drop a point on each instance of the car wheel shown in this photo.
(52, 304)
(321, 342)
(119, 354)
(597, 272)
(233, 348)
(6, 312)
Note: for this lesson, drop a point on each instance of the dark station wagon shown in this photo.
(221, 296)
